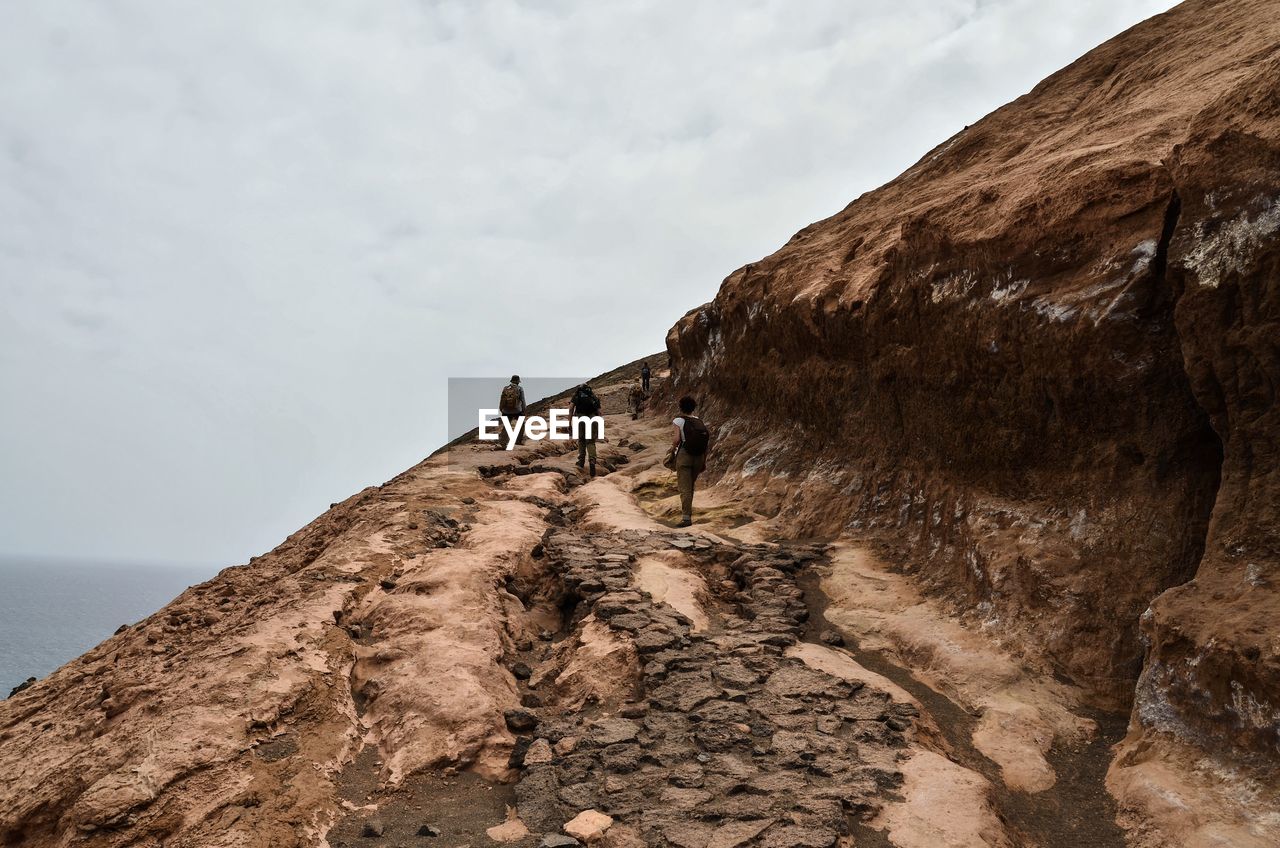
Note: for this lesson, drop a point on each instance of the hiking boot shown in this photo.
(578, 463)
(593, 469)
(685, 522)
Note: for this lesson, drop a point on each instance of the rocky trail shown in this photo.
(686, 688)
(494, 648)
(995, 450)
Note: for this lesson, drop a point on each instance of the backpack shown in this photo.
(585, 402)
(510, 400)
(696, 436)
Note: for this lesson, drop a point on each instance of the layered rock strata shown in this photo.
(1042, 363)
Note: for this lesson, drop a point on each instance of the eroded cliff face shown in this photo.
(1042, 365)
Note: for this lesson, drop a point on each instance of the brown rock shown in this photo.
(687, 834)
(565, 745)
(621, 836)
(737, 834)
(538, 752)
(795, 836)
(511, 830)
(589, 825)
(520, 721)
(609, 731)
(1054, 391)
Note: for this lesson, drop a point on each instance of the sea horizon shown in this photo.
(53, 609)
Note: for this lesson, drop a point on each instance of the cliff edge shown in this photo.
(1041, 366)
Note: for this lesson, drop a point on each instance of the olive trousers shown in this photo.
(687, 470)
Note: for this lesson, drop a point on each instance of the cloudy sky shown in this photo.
(243, 245)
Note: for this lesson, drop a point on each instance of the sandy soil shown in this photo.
(1020, 712)
(945, 806)
(665, 577)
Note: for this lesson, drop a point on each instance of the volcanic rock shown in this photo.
(520, 721)
(1038, 370)
(1053, 338)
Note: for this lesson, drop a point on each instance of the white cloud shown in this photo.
(243, 245)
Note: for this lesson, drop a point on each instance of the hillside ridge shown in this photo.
(985, 554)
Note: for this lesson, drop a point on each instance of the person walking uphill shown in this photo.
(635, 400)
(644, 377)
(511, 404)
(689, 447)
(585, 405)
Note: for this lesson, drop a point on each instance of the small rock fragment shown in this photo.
(511, 830)
(26, 684)
(634, 710)
(518, 751)
(735, 834)
(520, 721)
(609, 731)
(539, 752)
(589, 825)
(898, 723)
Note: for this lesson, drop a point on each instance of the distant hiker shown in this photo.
(644, 377)
(585, 405)
(689, 448)
(511, 406)
(635, 400)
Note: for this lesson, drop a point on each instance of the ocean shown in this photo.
(52, 611)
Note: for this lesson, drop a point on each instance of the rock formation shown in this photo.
(1042, 363)
(996, 468)
(485, 650)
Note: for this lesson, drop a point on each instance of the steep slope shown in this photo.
(1035, 375)
(491, 647)
(1042, 364)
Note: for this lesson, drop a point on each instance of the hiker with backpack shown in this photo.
(688, 454)
(635, 400)
(511, 406)
(585, 405)
(644, 377)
